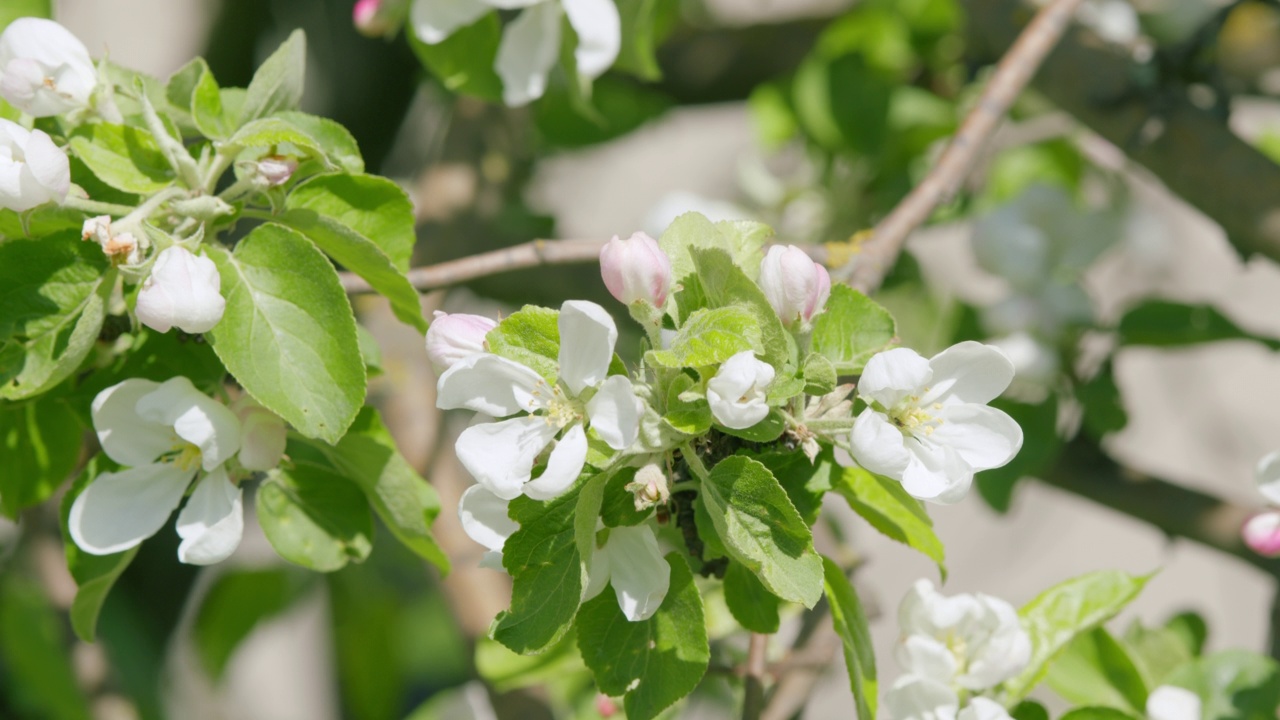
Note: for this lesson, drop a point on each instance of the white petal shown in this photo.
(121, 509)
(893, 375)
(970, 372)
(195, 417)
(597, 574)
(639, 574)
(48, 167)
(878, 446)
(1169, 702)
(981, 708)
(435, 20)
(563, 467)
(182, 291)
(936, 473)
(599, 32)
(125, 436)
(587, 337)
(916, 698)
(527, 52)
(737, 392)
(57, 73)
(263, 437)
(927, 657)
(615, 412)
(492, 385)
(1268, 477)
(500, 455)
(983, 436)
(212, 521)
(484, 518)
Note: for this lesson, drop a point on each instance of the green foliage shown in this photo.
(805, 481)
(888, 508)
(314, 517)
(1095, 669)
(236, 602)
(851, 625)
(709, 337)
(39, 446)
(749, 601)
(278, 83)
(124, 157)
(39, 680)
(288, 334)
(94, 574)
(618, 506)
(852, 329)
(1233, 684)
(644, 23)
(1161, 323)
(1104, 411)
(530, 337)
(1159, 651)
(723, 283)
(655, 662)
(463, 62)
(1040, 448)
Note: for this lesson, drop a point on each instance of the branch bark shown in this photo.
(753, 698)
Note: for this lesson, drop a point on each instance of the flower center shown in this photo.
(561, 411)
(911, 418)
(959, 647)
(184, 455)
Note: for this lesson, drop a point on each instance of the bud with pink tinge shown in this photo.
(183, 290)
(276, 169)
(453, 336)
(795, 285)
(376, 18)
(636, 269)
(1262, 533)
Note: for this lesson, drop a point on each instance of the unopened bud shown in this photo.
(636, 269)
(606, 706)
(649, 487)
(795, 286)
(183, 291)
(263, 435)
(452, 337)
(1262, 533)
(121, 249)
(276, 169)
(377, 18)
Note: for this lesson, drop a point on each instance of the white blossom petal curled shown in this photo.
(33, 170)
(44, 69)
(970, 372)
(878, 445)
(1169, 702)
(587, 337)
(1268, 477)
(491, 385)
(982, 436)
(194, 417)
(639, 574)
(737, 392)
(501, 455)
(126, 437)
(599, 30)
(529, 47)
(891, 376)
(435, 20)
(212, 521)
(183, 291)
(118, 510)
(912, 697)
(615, 412)
(484, 519)
(981, 708)
(563, 466)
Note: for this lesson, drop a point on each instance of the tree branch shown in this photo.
(867, 268)
(753, 700)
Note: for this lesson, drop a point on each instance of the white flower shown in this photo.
(183, 290)
(981, 708)
(44, 69)
(795, 285)
(737, 393)
(33, 171)
(927, 424)
(632, 562)
(501, 455)
(453, 336)
(636, 269)
(121, 248)
(912, 697)
(649, 487)
(1267, 474)
(530, 43)
(965, 642)
(484, 518)
(1169, 702)
(167, 434)
(263, 435)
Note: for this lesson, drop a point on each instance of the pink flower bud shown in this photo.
(452, 337)
(372, 18)
(795, 285)
(606, 706)
(276, 169)
(1262, 533)
(636, 269)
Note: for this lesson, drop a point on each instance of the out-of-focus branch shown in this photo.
(866, 270)
(753, 700)
(1191, 150)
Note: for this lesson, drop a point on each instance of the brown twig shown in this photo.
(753, 702)
(867, 268)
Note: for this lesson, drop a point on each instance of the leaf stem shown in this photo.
(694, 462)
(94, 206)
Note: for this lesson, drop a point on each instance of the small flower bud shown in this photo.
(44, 69)
(649, 487)
(182, 290)
(262, 435)
(452, 337)
(1262, 533)
(606, 706)
(795, 285)
(737, 393)
(33, 171)
(121, 249)
(636, 269)
(276, 169)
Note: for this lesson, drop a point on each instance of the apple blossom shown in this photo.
(1169, 702)
(1261, 533)
(737, 392)
(44, 69)
(167, 434)
(121, 248)
(912, 697)
(981, 708)
(453, 336)
(501, 455)
(33, 171)
(927, 423)
(795, 285)
(378, 18)
(484, 519)
(632, 563)
(636, 269)
(531, 43)
(650, 487)
(183, 290)
(276, 169)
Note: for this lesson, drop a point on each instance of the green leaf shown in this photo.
(1064, 611)
(1103, 405)
(1157, 651)
(126, 158)
(1233, 685)
(805, 482)
(288, 333)
(403, 499)
(236, 602)
(314, 517)
(94, 574)
(851, 330)
(618, 508)
(850, 622)
(331, 137)
(1040, 448)
(888, 508)
(762, 529)
(724, 284)
(278, 83)
(463, 62)
(585, 517)
(543, 560)
(1094, 669)
(39, 677)
(644, 22)
(655, 662)
(54, 293)
(1098, 713)
(1029, 710)
(842, 103)
(742, 240)
(709, 337)
(1162, 323)
(749, 601)
(505, 671)
(39, 447)
(210, 109)
(819, 375)
(531, 337)
(690, 415)
(1191, 629)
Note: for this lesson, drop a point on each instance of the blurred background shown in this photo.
(815, 116)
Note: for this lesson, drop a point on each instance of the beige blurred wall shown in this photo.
(155, 36)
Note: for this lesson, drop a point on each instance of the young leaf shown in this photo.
(655, 662)
(1233, 684)
(94, 574)
(126, 158)
(277, 85)
(762, 530)
(314, 517)
(750, 603)
(331, 137)
(819, 375)
(850, 622)
(1156, 651)
(1094, 669)
(888, 508)
(531, 337)
(724, 284)
(709, 337)
(39, 445)
(372, 206)
(851, 330)
(805, 482)
(236, 602)
(288, 333)
(1064, 611)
